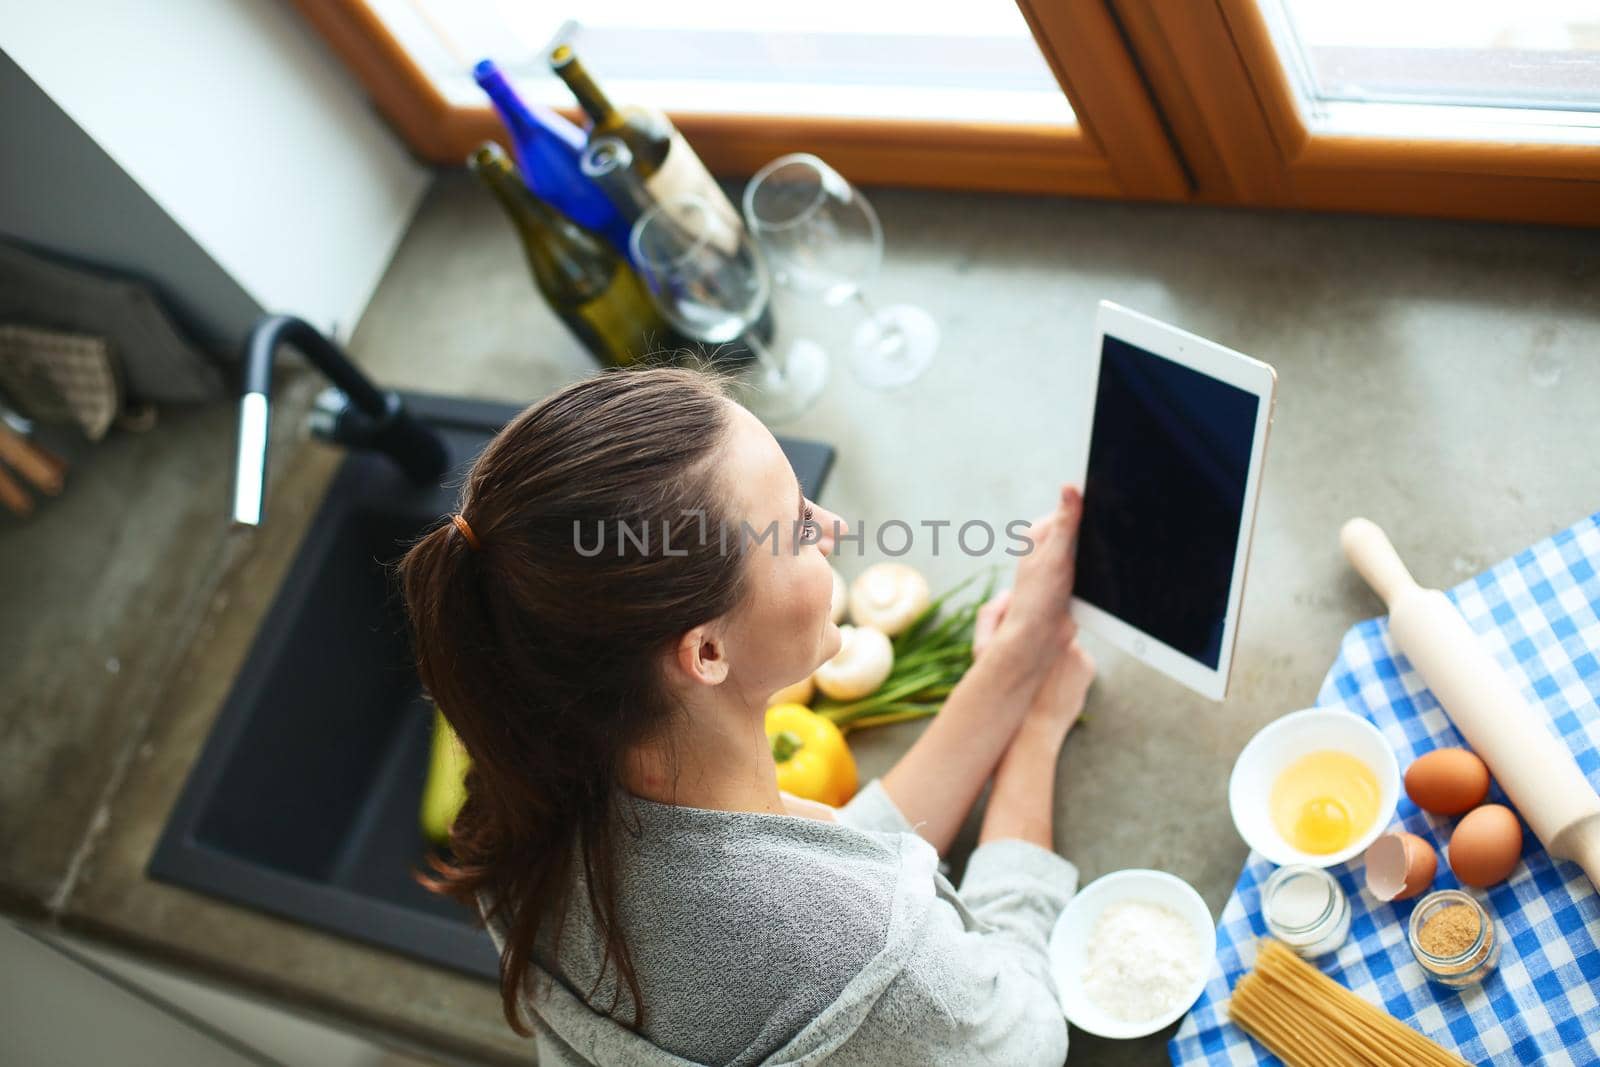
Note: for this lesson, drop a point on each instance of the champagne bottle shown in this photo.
(662, 156)
(663, 165)
(646, 131)
(588, 285)
(610, 164)
(547, 147)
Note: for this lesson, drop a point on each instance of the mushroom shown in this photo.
(864, 660)
(888, 597)
(799, 692)
(841, 597)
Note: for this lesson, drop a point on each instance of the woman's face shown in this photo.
(783, 629)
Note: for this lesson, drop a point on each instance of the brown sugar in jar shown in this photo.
(1453, 938)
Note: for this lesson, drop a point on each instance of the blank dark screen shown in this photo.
(1168, 459)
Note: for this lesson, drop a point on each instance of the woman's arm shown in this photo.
(936, 782)
(1023, 634)
(1022, 803)
(803, 808)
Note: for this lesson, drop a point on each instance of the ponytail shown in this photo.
(544, 660)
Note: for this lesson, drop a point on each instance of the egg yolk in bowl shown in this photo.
(1323, 801)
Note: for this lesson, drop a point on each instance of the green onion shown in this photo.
(931, 655)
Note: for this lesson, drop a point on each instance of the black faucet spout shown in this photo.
(362, 416)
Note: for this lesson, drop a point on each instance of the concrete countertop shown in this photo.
(1441, 378)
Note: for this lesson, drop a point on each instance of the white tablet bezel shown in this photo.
(1223, 364)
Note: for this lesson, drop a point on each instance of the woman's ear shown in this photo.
(702, 656)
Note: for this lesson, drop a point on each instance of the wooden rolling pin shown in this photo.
(1534, 767)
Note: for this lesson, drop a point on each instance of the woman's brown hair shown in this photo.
(543, 655)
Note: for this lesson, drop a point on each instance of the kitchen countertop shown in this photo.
(1441, 378)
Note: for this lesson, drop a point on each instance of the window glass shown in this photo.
(866, 58)
(1431, 66)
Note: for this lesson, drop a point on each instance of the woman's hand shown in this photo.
(989, 615)
(1033, 615)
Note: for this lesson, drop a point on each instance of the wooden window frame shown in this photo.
(1220, 82)
(1133, 159)
(1175, 100)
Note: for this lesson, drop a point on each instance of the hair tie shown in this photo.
(466, 531)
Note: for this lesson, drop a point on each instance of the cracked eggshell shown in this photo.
(800, 692)
(841, 598)
(1399, 866)
(864, 660)
(888, 597)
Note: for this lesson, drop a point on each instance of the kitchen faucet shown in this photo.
(352, 412)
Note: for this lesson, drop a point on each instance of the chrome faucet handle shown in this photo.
(250, 468)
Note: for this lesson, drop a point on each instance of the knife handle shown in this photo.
(46, 471)
(13, 496)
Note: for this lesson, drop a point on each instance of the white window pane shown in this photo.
(1528, 69)
(964, 62)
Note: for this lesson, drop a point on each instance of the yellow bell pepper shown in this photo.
(813, 760)
(446, 789)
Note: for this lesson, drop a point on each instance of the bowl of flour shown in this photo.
(1131, 952)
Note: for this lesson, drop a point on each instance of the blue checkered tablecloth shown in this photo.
(1539, 612)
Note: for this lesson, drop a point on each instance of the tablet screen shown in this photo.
(1169, 456)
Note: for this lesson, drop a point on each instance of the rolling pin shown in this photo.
(1534, 767)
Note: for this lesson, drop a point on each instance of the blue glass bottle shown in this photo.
(547, 148)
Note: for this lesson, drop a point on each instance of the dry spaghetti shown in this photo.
(1309, 1020)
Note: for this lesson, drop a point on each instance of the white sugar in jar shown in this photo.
(1306, 910)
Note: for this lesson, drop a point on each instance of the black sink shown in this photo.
(304, 802)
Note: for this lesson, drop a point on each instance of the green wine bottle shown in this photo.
(588, 285)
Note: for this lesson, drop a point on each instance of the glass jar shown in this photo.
(1473, 927)
(1306, 910)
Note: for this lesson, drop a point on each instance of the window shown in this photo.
(1379, 105)
(1526, 71)
(958, 62)
(947, 96)
(1460, 108)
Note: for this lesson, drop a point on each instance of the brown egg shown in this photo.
(1399, 866)
(1486, 845)
(1447, 781)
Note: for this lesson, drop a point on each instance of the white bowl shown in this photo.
(1069, 943)
(1280, 743)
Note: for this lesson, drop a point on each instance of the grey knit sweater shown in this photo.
(774, 939)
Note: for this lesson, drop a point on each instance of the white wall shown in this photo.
(237, 120)
(60, 192)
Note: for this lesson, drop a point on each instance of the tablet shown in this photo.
(1176, 440)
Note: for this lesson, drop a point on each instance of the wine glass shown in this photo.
(823, 237)
(708, 278)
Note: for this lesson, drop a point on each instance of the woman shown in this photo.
(654, 897)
